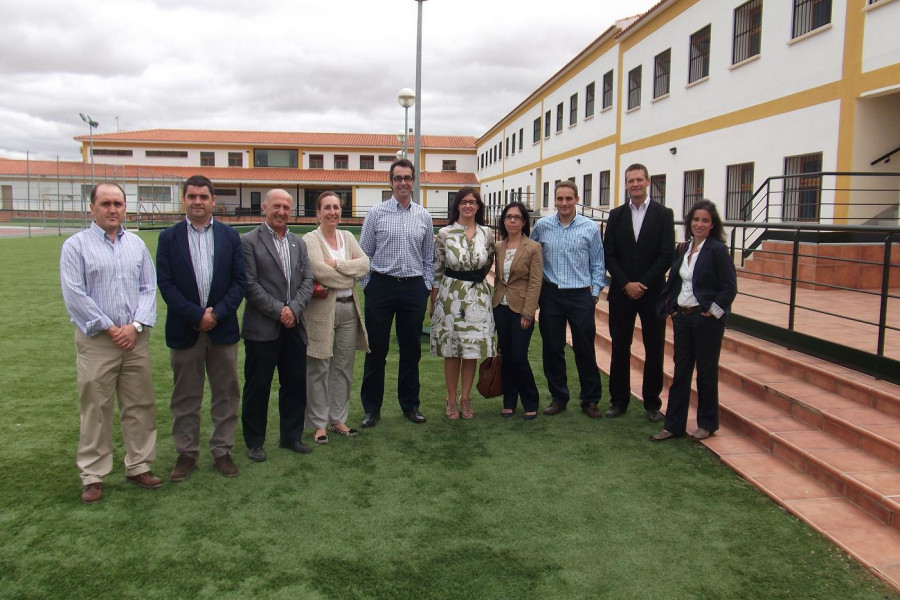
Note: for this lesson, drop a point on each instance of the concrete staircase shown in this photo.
(820, 440)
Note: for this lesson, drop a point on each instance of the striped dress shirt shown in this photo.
(282, 246)
(399, 241)
(573, 254)
(105, 283)
(203, 251)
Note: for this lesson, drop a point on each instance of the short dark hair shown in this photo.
(326, 194)
(462, 193)
(102, 183)
(198, 181)
(526, 221)
(638, 167)
(401, 162)
(568, 184)
(716, 231)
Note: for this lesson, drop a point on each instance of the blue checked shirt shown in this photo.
(399, 241)
(573, 255)
(106, 284)
(203, 252)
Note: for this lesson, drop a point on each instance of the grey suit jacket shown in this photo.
(267, 291)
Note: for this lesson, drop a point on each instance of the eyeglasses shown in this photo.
(513, 218)
(468, 203)
(402, 179)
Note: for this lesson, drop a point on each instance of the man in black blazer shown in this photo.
(279, 287)
(639, 243)
(200, 272)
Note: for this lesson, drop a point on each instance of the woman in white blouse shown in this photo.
(701, 287)
(333, 322)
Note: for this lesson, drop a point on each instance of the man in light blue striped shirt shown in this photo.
(574, 276)
(109, 289)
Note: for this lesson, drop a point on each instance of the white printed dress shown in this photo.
(462, 325)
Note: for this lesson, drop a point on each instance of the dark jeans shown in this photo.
(622, 314)
(518, 380)
(698, 340)
(575, 307)
(387, 298)
(288, 355)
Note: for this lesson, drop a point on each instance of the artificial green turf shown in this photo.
(561, 507)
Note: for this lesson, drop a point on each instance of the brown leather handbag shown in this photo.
(490, 377)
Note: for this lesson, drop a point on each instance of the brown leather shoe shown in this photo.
(592, 411)
(662, 435)
(92, 493)
(226, 466)
(701, 434)
(183, 467)
(146, 480)
(554, 409)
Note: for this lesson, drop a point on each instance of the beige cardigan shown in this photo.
(320, 311)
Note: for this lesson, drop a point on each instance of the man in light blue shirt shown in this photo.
(398, 237)
(574, 276)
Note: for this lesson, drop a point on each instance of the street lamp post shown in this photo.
(406, 97)
(91, 125)
(418, 146)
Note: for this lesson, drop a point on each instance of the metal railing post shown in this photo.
(885, 287)
(795, 267)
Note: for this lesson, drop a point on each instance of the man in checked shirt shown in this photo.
(109, 289)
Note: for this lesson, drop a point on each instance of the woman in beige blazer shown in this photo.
(519, 269)
(334, 323)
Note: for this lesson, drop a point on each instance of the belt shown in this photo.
(344, 299)
(549, 284)
(395, 278)
(473, 276)
(689, 310)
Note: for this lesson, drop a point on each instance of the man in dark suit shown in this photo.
(639, 242)
(279, 286)
(200, 271)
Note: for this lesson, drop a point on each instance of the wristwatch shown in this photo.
(138, 326)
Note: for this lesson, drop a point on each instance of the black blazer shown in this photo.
(714, 279)
(645, 260)
(178, 285)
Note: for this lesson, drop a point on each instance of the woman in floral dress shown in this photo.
(462, 324)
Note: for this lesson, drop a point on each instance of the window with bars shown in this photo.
(536, 134)
(316, 161)
(634, 87)
(693, 190)
(341, 161)
(698, 66)
(747, 31)
(513, 143)
(604, 188)
(507, 146)
(154, 193)
(559, 117)
(658, 189)
(547, 118)
(573, 109)
(448, 165)
(546, 194)
(738, 191)
(521, 137)
(607, 89)
(586, 189)
(802, 187)
(235, 159)
(207, 159)
(589, 100)
(367, 162)
(810, 15)
(661, 66)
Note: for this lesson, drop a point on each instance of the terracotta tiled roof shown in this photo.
(641, 18)
(278, 138)
(44, 169)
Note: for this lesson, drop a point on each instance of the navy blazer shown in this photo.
(178, 285)
(645, 259)
(714, 279)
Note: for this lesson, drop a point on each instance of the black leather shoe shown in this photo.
(554, 409)
(655, 416)
(371, 419)
(414, 415)
(298, 447)
(613, 412)
(257, 454)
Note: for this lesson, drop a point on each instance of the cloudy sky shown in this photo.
(282, 65)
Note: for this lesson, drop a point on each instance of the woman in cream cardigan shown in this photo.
(334, 323)
(519, 274)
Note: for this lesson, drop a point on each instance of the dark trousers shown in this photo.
(518, 379)
(388, 298)
(622, 314)
(575, 307)
(288, 354)
(698, 340)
